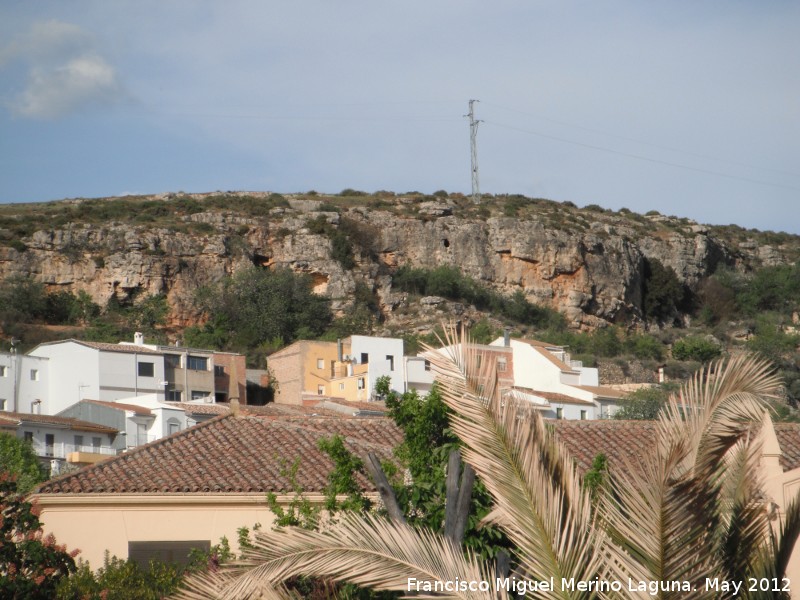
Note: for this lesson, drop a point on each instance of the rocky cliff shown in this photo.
(586, 263)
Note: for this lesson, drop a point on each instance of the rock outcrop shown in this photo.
(592, 272)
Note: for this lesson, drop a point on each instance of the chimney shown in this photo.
(234, 405)
(339, 350)
(138, 338)
(506, 337)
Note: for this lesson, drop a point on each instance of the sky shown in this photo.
(688, 107)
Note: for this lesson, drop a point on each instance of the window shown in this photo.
(197, 363)
(146, 369)
(220, 397)
(219, 371)
(197, 394)
(49, 442)
(78, 441)
(34, 374)
(390, 358)
(3, 371)
(2, 403)
(320, 363)
(173, 426)
(501, 365)
(174, 395)
(96, 443)
(364, 358)
(170, 552)
(36, 407)
(427, 365)
(361, 383)
(559, 413)
(341, 387)
(583, 415)
(172, 361)
(28, 437)
(320, 390)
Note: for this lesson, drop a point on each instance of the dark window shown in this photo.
(427, 365)
(197, 363)
(165, 552)
(219, 371)
(29, 437)
(2, 403)
(172, 361)
(96, 443)
(174, 395)
(559, 413)
(78, 442)
(49, 442)
(364, 358)
(146, 369)
(220, 397)
(390, 358)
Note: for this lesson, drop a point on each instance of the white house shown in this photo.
(59, 439)
(24, 383)
(546, 376)
(384, 356)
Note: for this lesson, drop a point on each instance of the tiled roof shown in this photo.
(602, 391)
(66, 422)
(232, 454)
(552, 358)
(623, 442)
(554, 396)
(126, 348)
(139, 410)
(199, 409)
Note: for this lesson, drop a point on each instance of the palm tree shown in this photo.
(691, 509)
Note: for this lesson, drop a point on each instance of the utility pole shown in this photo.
(473, 141)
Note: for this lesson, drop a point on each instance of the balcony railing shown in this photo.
(61, 450)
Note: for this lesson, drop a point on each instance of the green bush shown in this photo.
(662, 291)
(695, 348)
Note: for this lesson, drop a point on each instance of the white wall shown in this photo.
(73, 374)
(17, 373)
(378, 349)
(119, 375)
(416, 376)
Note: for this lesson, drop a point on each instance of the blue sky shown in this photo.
(688, 108)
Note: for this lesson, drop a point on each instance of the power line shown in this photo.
(473, 144)
(640, 157)
(645, 143)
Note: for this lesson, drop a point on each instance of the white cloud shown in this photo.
(65, 72)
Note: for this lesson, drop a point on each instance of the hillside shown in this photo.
(593, 266)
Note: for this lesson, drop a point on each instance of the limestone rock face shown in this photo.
(593, 274)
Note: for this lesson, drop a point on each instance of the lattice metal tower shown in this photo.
(473, 140)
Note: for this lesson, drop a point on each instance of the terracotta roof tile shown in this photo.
(139, 410)
(624, 441)
(127, 348)
(602, 391)
(245, 454)
(554, 396)
(59, 422)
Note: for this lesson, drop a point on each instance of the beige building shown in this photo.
(190, 489)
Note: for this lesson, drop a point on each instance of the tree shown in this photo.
(31, 564)
(694, 510)
(695, 348)
(662, 291)
(18, 459)
(260, 306)
(643, 404)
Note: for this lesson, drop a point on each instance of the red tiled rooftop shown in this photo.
(245, 454)
(623, 442)
(66, 422)
(139, 410)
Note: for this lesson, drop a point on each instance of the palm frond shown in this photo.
(669, 510)
(364, 550)
(539, 499)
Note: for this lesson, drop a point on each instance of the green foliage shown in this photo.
(662, 291)
(771, 340)
(341, 480)
(450, 283)
(425, 449)
(643, 404)
(120, 579)
(594, 479)
(299, 512)
(483, 332)
(18, 459)
(31, 564)
(257, 309)
(696, 348)
(774, 288)
(341, 246)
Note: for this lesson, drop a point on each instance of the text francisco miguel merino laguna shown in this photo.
(524, 586)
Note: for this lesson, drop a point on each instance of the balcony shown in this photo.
(63, 451)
